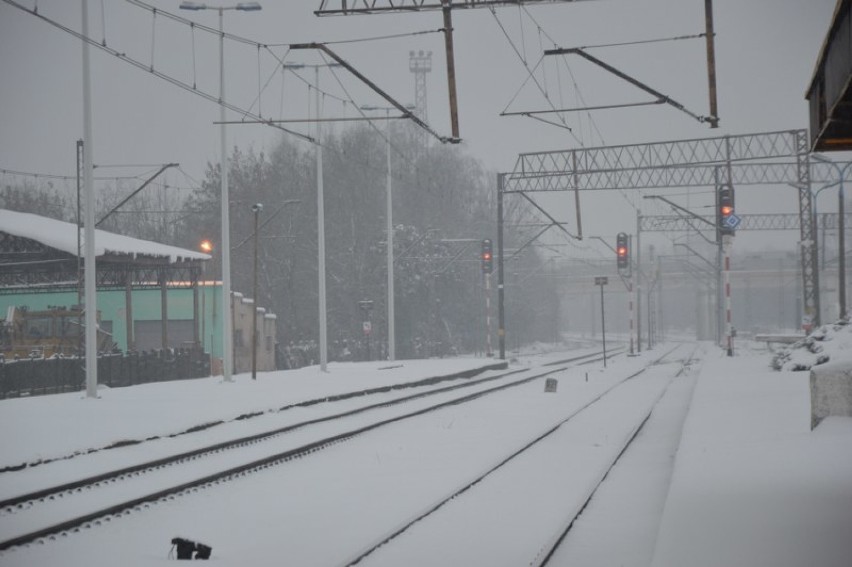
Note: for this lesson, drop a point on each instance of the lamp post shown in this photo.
(389, 214)
(841, 229)
(227, 321)
(256, 208)
(321, 283)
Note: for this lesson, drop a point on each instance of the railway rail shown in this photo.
(50, 511)
(456, 497)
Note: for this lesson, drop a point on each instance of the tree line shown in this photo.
(444, 204)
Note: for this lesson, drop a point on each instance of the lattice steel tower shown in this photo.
(420, 63)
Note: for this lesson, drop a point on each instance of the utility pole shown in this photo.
(602, 281)
(91, 301)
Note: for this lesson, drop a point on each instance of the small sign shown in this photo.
(601, 280)
(732, 221)
(550, 385)
(368, 327)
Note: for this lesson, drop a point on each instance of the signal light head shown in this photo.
(486, 256)
(622, 251)
(725, 202)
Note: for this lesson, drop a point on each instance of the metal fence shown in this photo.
(40, 376)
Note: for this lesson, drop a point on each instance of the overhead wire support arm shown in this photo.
(529, 242)
(532, 113)
(145, 184)
(660, 97)
(553, 221)
(681, 209)
(343, 63)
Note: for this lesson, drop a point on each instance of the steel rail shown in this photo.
(545, 555)
(257, 464)
(440, 504)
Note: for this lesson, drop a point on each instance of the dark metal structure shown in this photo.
(776, 221)
(30, 266)
(830, 91)
(748, 159)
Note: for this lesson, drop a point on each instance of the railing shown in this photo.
(41, 376)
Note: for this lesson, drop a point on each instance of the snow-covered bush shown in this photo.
(817, 348)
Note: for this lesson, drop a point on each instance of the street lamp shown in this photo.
(323, 311)
(389, 214)
(256, 208)
(227, 315)
(841, 229)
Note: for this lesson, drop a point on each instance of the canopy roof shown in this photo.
(62, 236)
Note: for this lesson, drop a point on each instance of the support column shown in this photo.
(128, 309)
(164, 310)
(501, 330)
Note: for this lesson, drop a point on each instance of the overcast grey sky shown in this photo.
(766, 51)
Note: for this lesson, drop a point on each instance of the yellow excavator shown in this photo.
(55, 331)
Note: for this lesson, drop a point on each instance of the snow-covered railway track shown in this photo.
(549, 550)
(49, 512)
(385, 551)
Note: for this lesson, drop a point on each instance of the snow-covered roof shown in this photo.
(63, 236)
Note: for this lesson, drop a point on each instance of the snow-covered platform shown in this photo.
(752, 484)
(57, 426)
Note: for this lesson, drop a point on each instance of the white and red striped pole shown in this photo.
(726, 247)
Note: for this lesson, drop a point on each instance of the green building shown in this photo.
(149, 295)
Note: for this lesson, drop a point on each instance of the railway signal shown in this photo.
(622, 251)
(727, 220)
(487, 257)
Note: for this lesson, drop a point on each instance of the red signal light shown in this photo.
(622, 251)
(485, 256)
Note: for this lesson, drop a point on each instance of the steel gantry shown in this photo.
(770, 221)
(748, 159)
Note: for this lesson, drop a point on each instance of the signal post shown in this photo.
(726, 222)
(622, 255)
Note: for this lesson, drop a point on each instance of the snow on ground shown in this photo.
(751, 486)
(51, 427)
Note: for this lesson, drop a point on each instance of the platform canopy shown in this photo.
(38, 253)
(830, 91)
